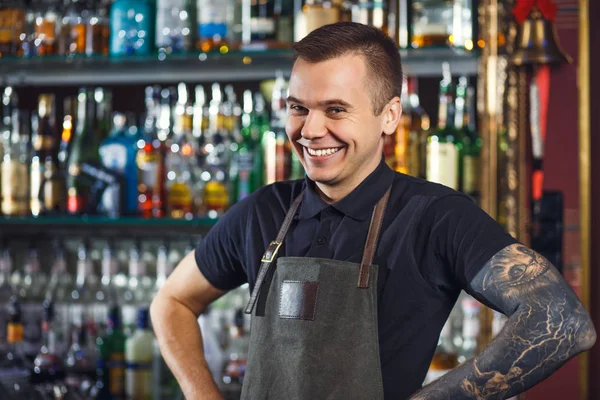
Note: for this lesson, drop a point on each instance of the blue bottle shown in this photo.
(131, 27)
(118, 153)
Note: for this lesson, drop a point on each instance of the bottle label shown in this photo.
(262, 26)
(245, 164)
(14, 333)
(172, 25)
(180, 197)
(11, 25)
(148, 168)
(130, 29)
(316, 17)
(116, 373)
(138, 379)
(212, 18)
(46, 29)
(15, 199)
(216, 196)
(469, 178)
(442, 164)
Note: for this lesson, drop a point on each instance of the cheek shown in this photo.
(293, 126)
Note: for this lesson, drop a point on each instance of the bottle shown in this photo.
(81, 359)
(443, 145)
(163, 134)
(371, 12)
(179, 159)
(164, 267)
(445, 358)
(173, 26)
(15, 163)
(130, 29)
(118, 153)
(283, 148)
(263, 20)
(98, 30)
(33, 290)
(83, 294)
(46, 28)
(471, 148)
(235, 365)
(111, 353)
(148, 156)
(398, 157)
(138, 359)
(419, 129)
(47, 367)
(12, 24)
(73, 37)
(59, 293)
(15, 356)
(6, 293)
(44, 146)
(138, 290)
(213, 25)
(470, 308)
(315, 14)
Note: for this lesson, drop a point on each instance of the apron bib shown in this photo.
(314, 324)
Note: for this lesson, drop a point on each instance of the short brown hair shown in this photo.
(381, 55)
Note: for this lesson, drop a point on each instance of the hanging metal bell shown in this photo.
(537, 42)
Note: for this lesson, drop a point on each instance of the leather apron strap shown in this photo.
(271, 253)
(368, 254)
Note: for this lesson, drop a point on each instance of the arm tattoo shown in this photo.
(547, 326)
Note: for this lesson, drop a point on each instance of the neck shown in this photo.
(334, 193)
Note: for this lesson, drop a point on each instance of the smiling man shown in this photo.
(355, 269)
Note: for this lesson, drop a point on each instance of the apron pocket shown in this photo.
(298, 300)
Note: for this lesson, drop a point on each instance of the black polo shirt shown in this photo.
(433, 242)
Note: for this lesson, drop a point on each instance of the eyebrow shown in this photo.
(331, 102)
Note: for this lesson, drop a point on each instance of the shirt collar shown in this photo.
(359, 203)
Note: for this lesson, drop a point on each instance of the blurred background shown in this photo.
(130, 126)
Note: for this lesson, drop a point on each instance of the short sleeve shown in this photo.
(219, 253)
(460, 239)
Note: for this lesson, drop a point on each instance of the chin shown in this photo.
(324, 177)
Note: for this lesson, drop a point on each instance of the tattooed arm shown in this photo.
(547, 325)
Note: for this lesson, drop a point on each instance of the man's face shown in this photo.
(331, 123)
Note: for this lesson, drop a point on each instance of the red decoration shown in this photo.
(524, 8)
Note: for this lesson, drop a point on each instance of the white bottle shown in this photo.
(139, 352)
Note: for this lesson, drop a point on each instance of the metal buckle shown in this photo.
(271, 251)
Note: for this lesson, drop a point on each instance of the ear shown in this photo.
(391, 116)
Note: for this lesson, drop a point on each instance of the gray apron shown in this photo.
(314, 324)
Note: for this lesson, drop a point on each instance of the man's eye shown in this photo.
(335, 110)
(296, 108)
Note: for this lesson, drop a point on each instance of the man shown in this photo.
(354, 270)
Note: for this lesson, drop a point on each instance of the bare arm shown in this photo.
(547, 326)
(175, 311)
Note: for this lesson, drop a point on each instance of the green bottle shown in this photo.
(444, 144)
(471, 142)
(111, 351)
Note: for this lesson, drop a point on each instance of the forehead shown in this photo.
(341, 77)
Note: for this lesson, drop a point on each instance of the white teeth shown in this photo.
(321, 152)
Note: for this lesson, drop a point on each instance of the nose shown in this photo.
(314, 126)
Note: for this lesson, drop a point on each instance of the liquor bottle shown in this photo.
(32, 292)
(83, 149)
(164, 267)
(15, 163)
(179, 194)
(83, 307)
(371, 12)
(470, 308)
(111, 354)
(98, 30)
(15, 356)
(44, 147)
(73, 29)
(81, 359)
(108, 281)
(445, 358)
(263, 18)
(315, 14)
(440, 24)
(419, 129)
(213, 24)
(444, 147)
(173, 26)
(471, 148)
(148, 156)
(6, 293)
(47, 366)
(46, 28)
(235, 365)
(139, 288)
(118, 153)
(130, 29)
(398, 158)
(138, 359)
(12, 24)
(59, 293)
(163, 134)
(283, 148)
